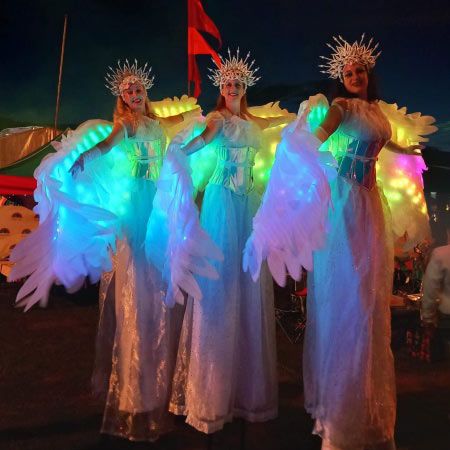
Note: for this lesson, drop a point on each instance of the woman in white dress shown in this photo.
(226, 363)
(349, 376)
(137, 334)
(348, 366)
(94, 203)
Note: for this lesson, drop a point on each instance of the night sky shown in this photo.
(285, 37)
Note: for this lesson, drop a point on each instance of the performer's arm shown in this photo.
(212, 129)
(170, 121)
(270, 122)
(414, 149)
(117, 134)
(332, 120)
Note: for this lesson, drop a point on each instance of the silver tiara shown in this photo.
(345, 53)
(117, 80)
(234, 68)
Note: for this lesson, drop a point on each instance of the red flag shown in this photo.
(199, 21)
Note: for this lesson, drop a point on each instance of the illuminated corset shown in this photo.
(234, 169)
(146, 157)
(358, 164)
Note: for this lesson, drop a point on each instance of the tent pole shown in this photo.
(61, 61)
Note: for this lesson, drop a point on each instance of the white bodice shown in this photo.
(236, 146)
(365, 121)
(367, 130)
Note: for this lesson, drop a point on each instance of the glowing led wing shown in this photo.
(270, 139)
(171, 107)
(175, 242)
(400, 176)
(79, 218)
(315, 109)
(202, 162)
(291, 221)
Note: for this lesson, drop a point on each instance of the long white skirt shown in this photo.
(226, 364)
(348, 364)
(137, 336)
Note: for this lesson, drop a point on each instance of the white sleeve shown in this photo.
(291, 221)
(175, 242)
(432, 283)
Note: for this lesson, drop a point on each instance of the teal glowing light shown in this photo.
(103, 131)
(67, 163)
(88, 198)
(62, 214)
(87, 142)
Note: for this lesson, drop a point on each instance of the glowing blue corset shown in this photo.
(358, 164)
(234, 169)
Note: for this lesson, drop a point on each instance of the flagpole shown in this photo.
(61, 61)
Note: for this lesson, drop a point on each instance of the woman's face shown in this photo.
(355, 79)
(134, 96)
(233, 91)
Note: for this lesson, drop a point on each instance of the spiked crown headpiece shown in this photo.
(234, 68)
(117, 80)
(345, 53)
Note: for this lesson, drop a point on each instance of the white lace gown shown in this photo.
(348, 364)
(136, 342)
(226, 364)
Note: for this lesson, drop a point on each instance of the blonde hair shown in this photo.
(123, 113)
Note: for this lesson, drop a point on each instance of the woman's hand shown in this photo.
(80, 163)
(196, 112)
(415, 149)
